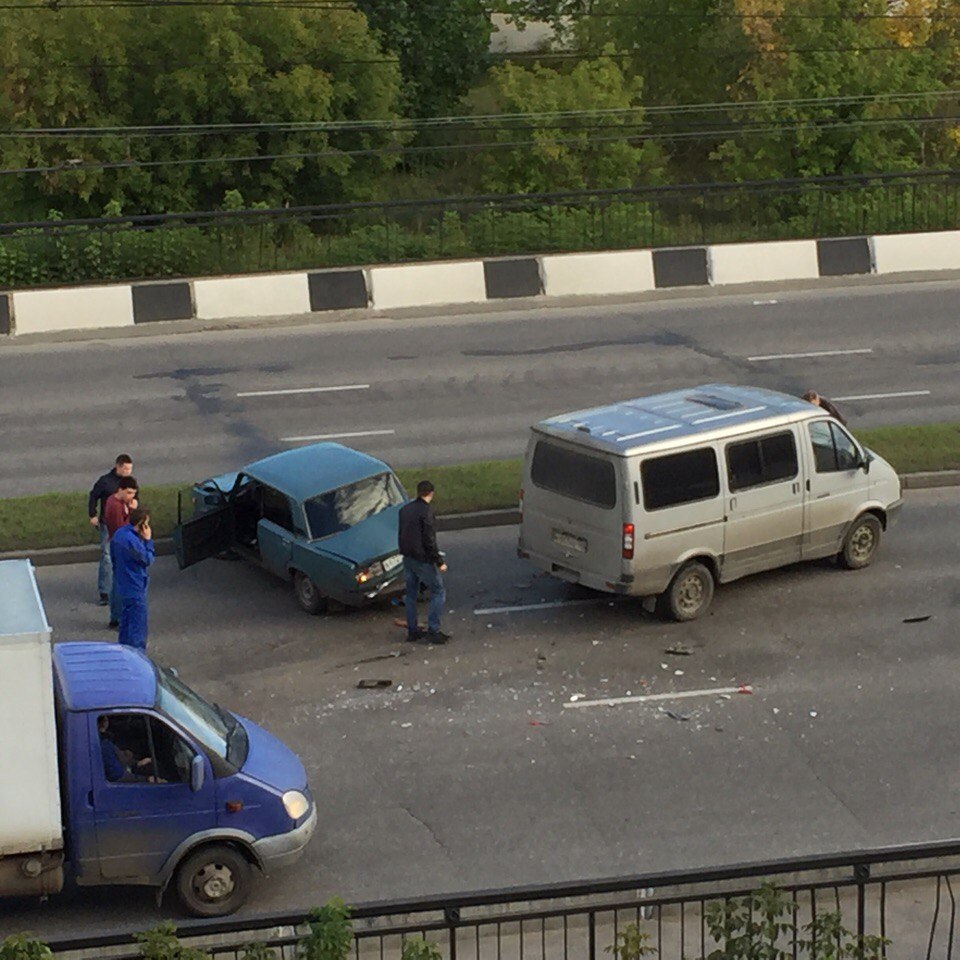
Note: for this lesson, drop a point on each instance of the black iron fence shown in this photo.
(893, 902)
(198, 244)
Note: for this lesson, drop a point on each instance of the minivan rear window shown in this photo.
(573, 474)
(679, 478)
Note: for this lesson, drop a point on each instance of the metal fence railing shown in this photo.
(209, 243)
(905, 895)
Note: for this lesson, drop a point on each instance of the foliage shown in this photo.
(417, 948)
(763, 926)
(330, 935)
(441, 45)
(596, 148)
(161, 943)
(631, 943)
(168, 65)
(259, 951)
(21, 947)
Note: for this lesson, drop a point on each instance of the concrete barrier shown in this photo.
(72, 308)
(579, 274)
(917, 251)
(756, 262)
(427, 284)
(265, 295)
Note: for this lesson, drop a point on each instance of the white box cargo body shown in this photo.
(30, 819)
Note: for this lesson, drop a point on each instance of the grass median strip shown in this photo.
(59, 519)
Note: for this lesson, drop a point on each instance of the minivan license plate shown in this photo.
(391, 563)
(569, 542)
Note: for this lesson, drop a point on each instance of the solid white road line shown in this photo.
(286, 393)
(887, 396)
(651, 697)
(339, 436)
(815, 353)
(764, 303)
(486, 611)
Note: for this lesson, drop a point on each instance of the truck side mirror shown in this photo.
(196, 773)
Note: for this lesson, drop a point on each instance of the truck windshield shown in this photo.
(348, 505)
(219, 731)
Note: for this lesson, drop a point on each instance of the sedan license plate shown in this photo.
(391, 563)
(569, 541)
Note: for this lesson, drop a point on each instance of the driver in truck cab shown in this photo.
(120, 765)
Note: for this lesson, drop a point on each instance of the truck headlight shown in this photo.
(296, 804)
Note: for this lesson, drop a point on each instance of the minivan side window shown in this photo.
(679, 478)
(573, 474)
(833, 448)
(761, 460)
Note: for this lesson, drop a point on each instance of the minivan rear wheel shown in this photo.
(689, 594)
(861, 542)
(308, 596)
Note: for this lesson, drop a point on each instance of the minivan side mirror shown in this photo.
(196, 773)
(865, 463)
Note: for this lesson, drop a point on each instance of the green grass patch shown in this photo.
(934, 446)
(59, 519)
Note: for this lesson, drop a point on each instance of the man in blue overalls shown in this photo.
(132, 552)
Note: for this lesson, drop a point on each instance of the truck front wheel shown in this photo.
(213, 882)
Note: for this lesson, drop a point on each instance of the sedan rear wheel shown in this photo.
(308, 596)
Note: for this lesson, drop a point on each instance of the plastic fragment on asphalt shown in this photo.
(744, 688)
(575, 697)
(677, 716)
(406, 725)
(373, 684)
(679, 650)
(813, 713)
(678, 673)
(918, 619)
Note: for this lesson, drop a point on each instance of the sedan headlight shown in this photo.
(296, 804)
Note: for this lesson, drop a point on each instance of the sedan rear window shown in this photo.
(351, 504)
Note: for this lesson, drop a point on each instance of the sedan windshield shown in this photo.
(219, 731)
(349, 505)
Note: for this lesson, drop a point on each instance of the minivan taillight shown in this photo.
(628, 541)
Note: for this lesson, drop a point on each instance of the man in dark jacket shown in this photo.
(423, 564)
(811, 396)
(105, 487)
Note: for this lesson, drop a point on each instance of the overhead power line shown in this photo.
(488, 121)
(494, 145)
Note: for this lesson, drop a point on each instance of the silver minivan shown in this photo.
(667, 495)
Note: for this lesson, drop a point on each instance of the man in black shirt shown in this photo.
(423, 564)
(811, 396)
(106, 487)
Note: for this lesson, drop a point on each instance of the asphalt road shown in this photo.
(472, 772)
(441, 389)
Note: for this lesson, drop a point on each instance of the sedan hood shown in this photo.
(271, 762)
(369, 540)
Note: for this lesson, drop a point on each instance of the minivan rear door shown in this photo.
(571, 510)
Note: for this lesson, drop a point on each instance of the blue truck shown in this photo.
(117, 772)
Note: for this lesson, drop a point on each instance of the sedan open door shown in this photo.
(203, 536)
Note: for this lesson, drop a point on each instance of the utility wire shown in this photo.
(488, 121)
(495, 145)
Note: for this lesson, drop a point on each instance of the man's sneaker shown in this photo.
(104, 599)
(436, 636)
(415, 637)
(113, 624)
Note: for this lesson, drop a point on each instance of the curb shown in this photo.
(478, 520)
(90, 553)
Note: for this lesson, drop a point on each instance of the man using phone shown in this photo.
(132, 551)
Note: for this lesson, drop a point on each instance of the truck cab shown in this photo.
(158, 786)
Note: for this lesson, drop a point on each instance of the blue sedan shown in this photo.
(323, 517)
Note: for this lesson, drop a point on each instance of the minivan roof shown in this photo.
(632, 426)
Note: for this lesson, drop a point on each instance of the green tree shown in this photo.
(21, 947)
(330, 936)
(846, 51)
(601, 146)
(161, 943)
(163, 65)
(442, 46)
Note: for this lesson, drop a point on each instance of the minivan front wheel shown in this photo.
(308, 596)
(861, 542)
(689, 593)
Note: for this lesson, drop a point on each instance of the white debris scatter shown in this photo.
(813, 713)
(678, 673)
(575, 697)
